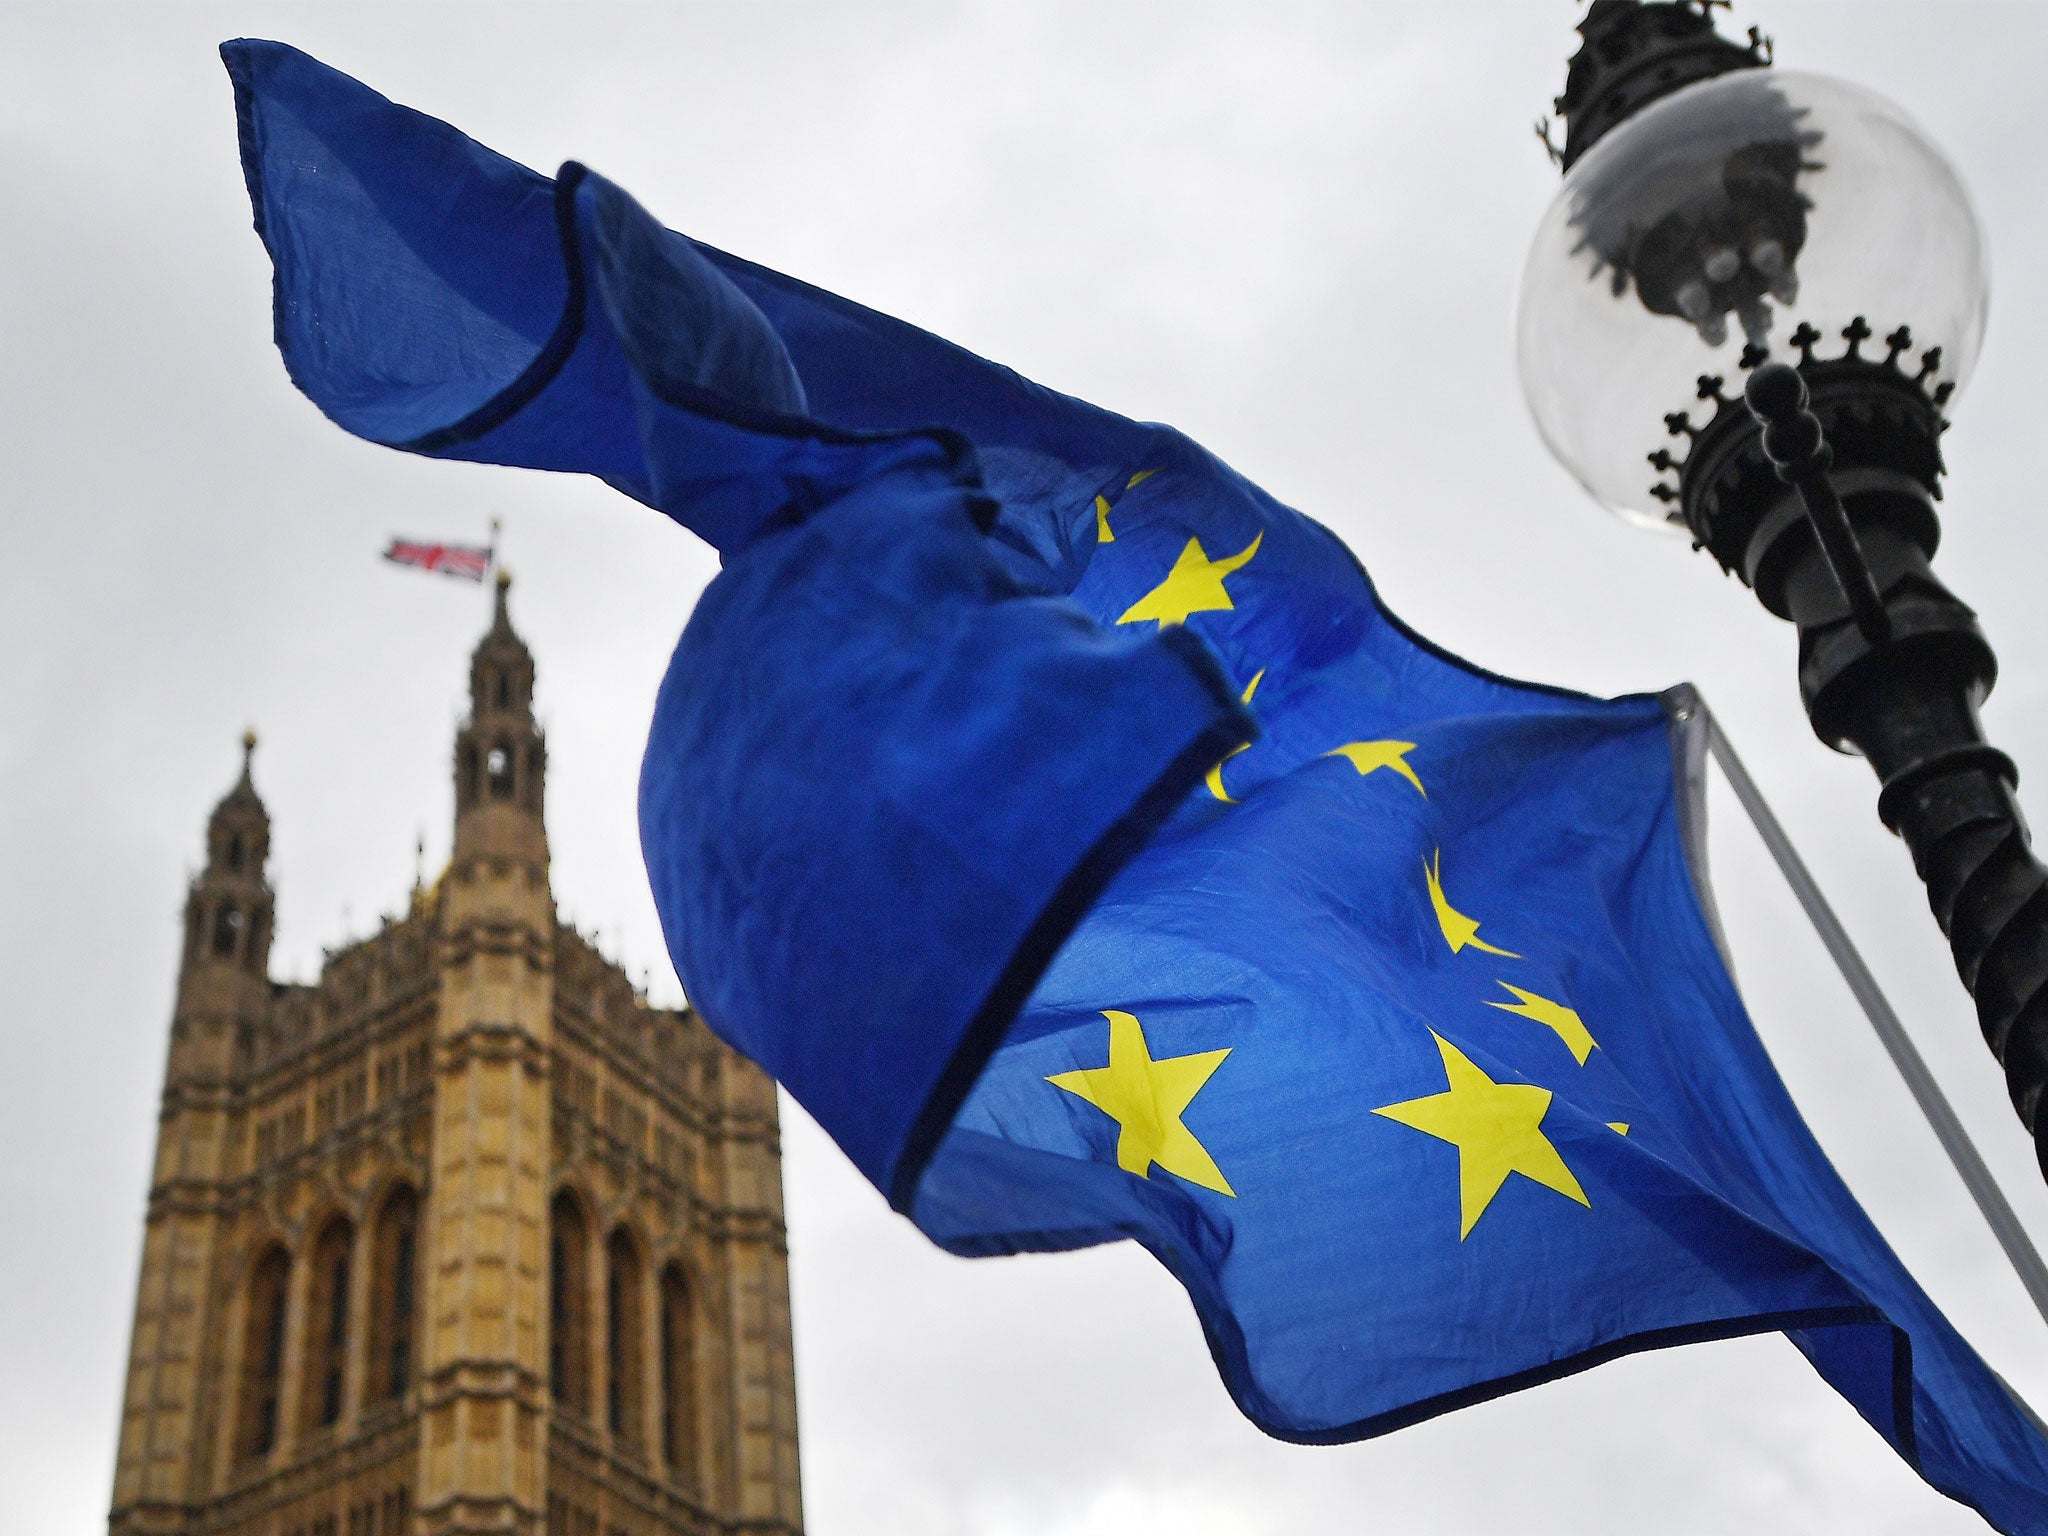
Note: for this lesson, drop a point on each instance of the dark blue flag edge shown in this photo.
(1228, 1351)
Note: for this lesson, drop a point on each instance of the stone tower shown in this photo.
(464, 1236)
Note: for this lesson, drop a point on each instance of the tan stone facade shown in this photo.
(463, 1237)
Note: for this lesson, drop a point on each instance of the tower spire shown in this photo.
(224, 979)
(500, 752)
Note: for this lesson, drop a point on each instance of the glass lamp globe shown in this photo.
(1703, 232)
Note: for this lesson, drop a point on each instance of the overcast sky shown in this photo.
(1295, 232)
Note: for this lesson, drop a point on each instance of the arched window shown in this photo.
(624, 1335)
(498, 770)
(568, 1306)
(678, 1377)
(394, 1273)
(504, 690)
(263, 1353)
(227, 927)
(327, 1323)
(235, 852)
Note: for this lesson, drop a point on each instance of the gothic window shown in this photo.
(568, 1305)
(263, 1352)
(327, 1324)
(623, 1338)
(678, 1377)
(498, 770)
(394, 1276)
(504, 691)
(468, 786)
(227, 927)
(235, 853)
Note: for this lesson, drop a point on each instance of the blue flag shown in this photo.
(1065, 823)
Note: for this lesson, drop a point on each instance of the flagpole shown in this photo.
(1934, 1104)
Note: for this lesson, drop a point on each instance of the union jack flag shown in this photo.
(469, 561)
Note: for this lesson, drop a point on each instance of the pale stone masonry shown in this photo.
(464, 1236)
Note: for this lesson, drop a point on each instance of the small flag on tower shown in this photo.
(469, 561)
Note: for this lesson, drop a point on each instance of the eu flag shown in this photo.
(1065, 823)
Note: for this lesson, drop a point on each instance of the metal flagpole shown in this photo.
(1948, 1130)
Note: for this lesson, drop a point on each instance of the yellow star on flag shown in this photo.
(1497, 1129)
(1104, 534)
(1215, 778)
(1145, 1097)
(1459, 930)
(1365, 756)
(1566, 1023)
(1194, 585)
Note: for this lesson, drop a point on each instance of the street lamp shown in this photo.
(1742, 320)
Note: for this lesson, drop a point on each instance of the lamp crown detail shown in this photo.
(1880, 414)
(1632, 54)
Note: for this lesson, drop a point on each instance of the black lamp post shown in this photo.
(1742, 319)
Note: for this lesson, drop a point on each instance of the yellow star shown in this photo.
(1104, 534)
(1145, 1097)
(1497, 1129)
(1365, 756)
(1194, 585)
(1215, 778)
(1570, 1028)
(1459, 930)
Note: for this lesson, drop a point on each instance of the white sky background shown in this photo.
(1294, 232)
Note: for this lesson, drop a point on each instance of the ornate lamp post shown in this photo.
(1742, 320)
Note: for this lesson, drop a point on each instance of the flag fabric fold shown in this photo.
(1066, 824)
(432, 295)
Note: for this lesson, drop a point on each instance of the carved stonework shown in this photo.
(465, 1236)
